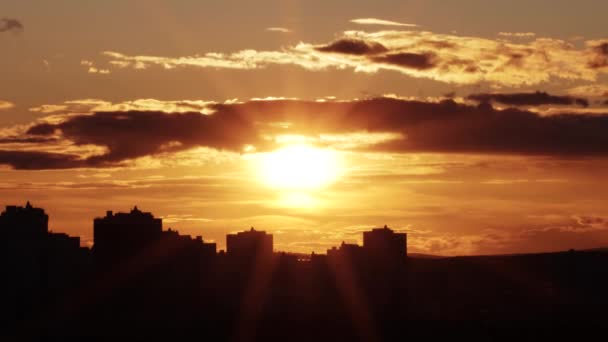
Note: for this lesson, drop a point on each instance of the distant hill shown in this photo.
(597, 250)
(425, 256)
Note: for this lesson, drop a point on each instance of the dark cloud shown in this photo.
(42, 129)
(440, 127)
(31, 160)
(26, 140)
(8, 24)
(129, 135)
(378, 53)
(529, 99)
(446, 127)
(600, 56)
(353, 47)
(421, 61)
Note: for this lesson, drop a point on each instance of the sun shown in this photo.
(299, 167)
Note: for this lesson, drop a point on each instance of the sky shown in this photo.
(476, 127)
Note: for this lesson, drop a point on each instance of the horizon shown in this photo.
(221, 245)
(476, 129)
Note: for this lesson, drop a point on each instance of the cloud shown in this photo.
(374, 21)
(130, 135)
(6, 105)
(353, 47)
(408, 60)
(28, 160)
(8, 24)
(488, 241)
(446, 58)
(241, 60)
(92, 69)
(592, 90)
(575, 224)
(540, 234)
(278, 29)
(105, 139)
(27, 140)
(528, 99)
(96, 105)
(517, 34)
(599, 54)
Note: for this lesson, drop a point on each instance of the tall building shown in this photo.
(385, 244)
(121, 235)
(249, 244)
(24, 223)
(34, 261)
(23, 240)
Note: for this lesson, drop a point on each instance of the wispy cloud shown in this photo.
(6, 105)
(517, 34)
(92, 69)
(591, 90)
(278, 29)
(83, 106)
(442, 57)
(381, 22)
(529, 99)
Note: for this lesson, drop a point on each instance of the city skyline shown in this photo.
(367, 234)
(140, 227)
(141, 281)
(476, 129)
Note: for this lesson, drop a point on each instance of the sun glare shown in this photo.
(300, 167)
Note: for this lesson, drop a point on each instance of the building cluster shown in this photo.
(119, 237)
(379, 244)
(124, 236)
(143, 282)
(137, 272)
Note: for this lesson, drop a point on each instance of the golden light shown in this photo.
(300, 167)
(297, 199)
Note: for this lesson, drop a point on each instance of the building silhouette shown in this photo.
(141, 282)
(119, 236)
(250, 245)
(350, 250)
(206, 249)
(24, 223)
(36, 265)
(384, 245)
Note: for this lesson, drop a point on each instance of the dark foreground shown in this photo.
(142, 283)
(531, 297)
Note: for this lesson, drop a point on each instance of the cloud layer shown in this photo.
(446, 58)
(529, 99)
(111, 138)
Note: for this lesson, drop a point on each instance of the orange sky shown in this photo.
(477, 129)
